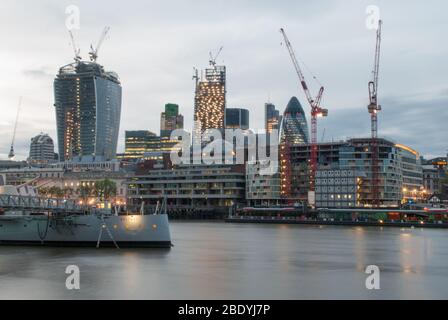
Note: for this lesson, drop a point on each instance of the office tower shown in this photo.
(210, 100)
(41, 149)
(294, 128)
(141, 144)
(237, 118)
(272, 118)
(170, 120)
(88, 107)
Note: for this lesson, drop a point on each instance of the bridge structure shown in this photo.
(18, 202)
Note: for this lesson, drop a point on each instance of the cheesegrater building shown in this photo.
(88, 108)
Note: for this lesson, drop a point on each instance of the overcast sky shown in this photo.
(154, 45)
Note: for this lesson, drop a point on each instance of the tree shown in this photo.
(43, 191)
(105, 189)
(55, 192)
(68, 192)
(85, 191)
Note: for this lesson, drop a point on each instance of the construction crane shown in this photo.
(316, 110)
(94, 51)
(76, 50)
(212, 60)
(195, 76)
(11, 154)
(373, 109)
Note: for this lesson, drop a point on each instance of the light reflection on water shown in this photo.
(240, 261)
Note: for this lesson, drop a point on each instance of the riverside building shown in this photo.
(88, 107)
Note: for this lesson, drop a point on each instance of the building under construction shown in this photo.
(399, 170)
(210, 99)
(88, 107)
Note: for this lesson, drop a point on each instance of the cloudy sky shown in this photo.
(154, 45)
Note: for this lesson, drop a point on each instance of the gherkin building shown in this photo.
(294, 127)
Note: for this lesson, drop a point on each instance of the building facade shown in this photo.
(338, 188)
(262, 188)
(190, 186)
(41, 149)
(237, 118)
(412, 174)
(434, 173)
(170, 120)
(141, 143)
(88, 108)
(210, 100)
(399, 169)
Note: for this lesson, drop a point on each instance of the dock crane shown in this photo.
(316, 111)
(76, 50)
(373, 109)
(11, 154)
(94, 51)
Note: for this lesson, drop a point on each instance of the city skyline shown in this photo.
(412, 94)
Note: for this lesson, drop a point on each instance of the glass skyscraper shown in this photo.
(88, 108)
(294, 128)
(237, 118)
(272, 118)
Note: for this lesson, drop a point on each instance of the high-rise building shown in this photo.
(237, 118)
(41, 149)
(170, 120)
(272, 118)
(141, 144)
(210, 100)
(88, 107)
(294, 128)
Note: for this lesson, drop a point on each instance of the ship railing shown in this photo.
(38, 203)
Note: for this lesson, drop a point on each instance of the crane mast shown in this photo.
(212, 60)
(76, 50)
(11, 154)
(373, 109)
(316, 110)
(94, 51)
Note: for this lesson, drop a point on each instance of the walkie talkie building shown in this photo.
(88, 108)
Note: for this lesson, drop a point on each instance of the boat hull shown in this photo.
(86, 230)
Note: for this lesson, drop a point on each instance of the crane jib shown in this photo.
(304, 86)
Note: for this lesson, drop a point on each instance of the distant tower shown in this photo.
(294, 127)
(210, 99)
(272, 118)
(170, 120)
(88, 107)
(237, 118)
(41, 149)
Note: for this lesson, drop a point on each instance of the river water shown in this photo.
(216, 260)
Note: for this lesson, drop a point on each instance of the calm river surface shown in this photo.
(216, 260)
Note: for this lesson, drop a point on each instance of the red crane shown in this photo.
(316, 110)
(373, 109)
